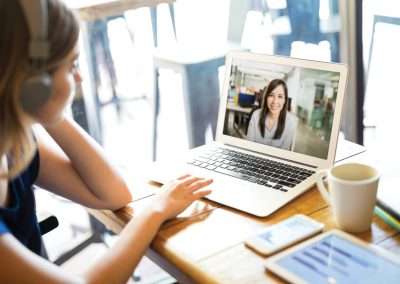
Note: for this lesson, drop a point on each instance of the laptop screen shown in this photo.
(283, 106)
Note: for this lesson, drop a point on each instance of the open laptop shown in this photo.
(259, 174)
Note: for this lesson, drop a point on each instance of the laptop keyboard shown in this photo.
(262, 171)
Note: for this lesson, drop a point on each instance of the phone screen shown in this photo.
(287, 231)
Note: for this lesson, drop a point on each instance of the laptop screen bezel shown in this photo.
(273, 151)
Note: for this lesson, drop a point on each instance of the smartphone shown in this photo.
(284, 234)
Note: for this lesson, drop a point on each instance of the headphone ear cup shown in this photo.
(35, 92)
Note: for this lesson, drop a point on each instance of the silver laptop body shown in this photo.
(254, 173)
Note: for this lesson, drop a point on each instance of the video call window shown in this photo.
(282, 106)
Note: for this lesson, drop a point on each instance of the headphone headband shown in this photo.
(36, 15)
(36, 90)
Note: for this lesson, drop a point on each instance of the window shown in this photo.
(381, 25)
(300, 28)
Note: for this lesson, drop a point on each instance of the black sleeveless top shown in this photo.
(19, 218)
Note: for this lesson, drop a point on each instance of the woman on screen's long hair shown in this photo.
(274, 107)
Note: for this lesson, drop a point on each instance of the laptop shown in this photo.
(256, 173)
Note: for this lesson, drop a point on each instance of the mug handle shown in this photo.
(321, 185)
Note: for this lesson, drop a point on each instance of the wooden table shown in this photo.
(205, 243)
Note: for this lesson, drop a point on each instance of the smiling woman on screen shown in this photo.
(272, 124)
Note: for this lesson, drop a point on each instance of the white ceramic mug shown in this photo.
(352, 195)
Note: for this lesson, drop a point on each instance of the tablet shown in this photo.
(336, 257)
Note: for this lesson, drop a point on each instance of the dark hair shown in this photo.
(264, 108)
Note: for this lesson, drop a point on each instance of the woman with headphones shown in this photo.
(38, 73)
(272, 124)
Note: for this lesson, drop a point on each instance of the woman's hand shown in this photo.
(177, 195)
